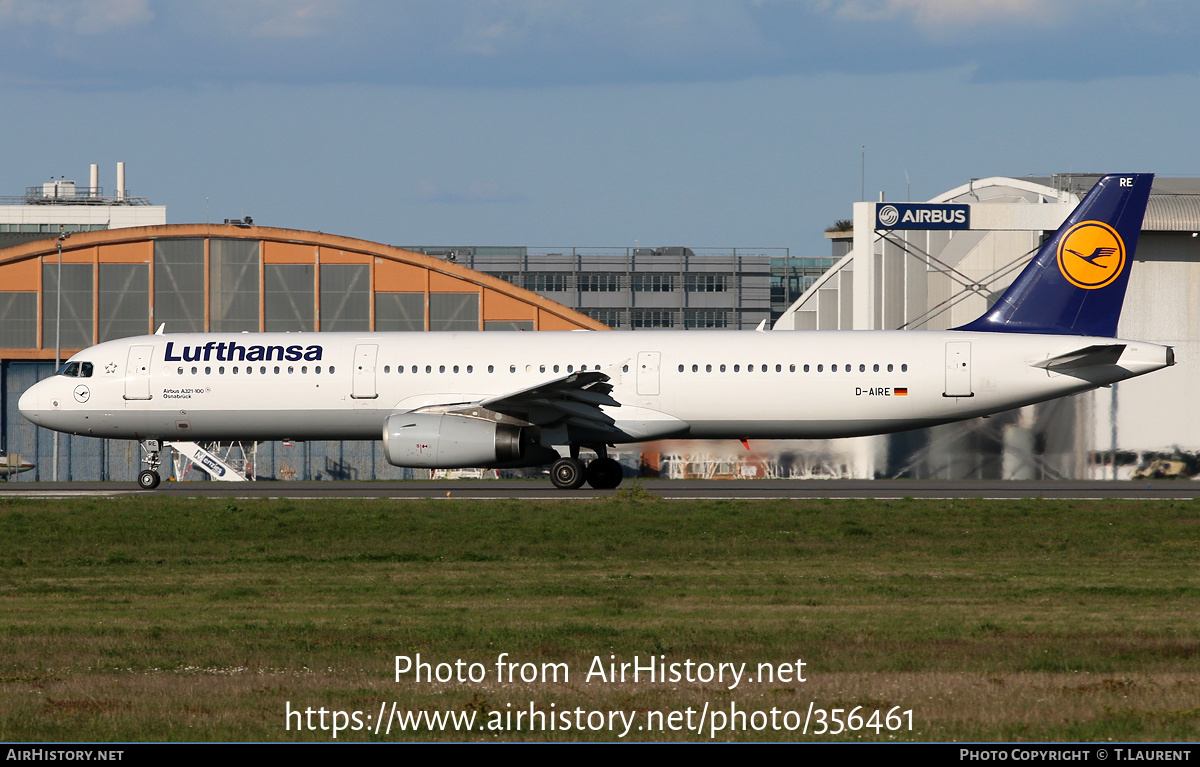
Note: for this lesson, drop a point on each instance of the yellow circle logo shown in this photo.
(1091, 255)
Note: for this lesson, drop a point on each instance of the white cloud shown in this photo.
(85, 17)
(934, 15)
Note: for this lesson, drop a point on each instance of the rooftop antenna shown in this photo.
(862, 194)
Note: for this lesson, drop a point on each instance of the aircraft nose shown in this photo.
(30, 404)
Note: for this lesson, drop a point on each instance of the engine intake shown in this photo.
(442, 441)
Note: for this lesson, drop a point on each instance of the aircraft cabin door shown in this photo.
(958, 369)
(647, 372)
(364, 372)
(137, 372)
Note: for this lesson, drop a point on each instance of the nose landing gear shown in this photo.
(148, 479)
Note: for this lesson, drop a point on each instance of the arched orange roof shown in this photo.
(392, 270)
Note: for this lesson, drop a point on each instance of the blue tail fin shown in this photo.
(1075, 285)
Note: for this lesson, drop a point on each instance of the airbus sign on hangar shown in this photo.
(940, 264)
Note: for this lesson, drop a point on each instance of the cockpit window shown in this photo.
(76, 370)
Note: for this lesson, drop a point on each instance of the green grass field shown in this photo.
(157, 619)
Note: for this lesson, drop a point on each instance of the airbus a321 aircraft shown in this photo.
(454, 400)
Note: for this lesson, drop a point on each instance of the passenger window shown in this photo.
(262, 370)
(806, 368)
(708, 368)
(737, 368)
(180, 371)
(624, 368)
(862, 368)
(331, 369)
(820, 368)
(208, 371)
(695, 368)
(291, 370)
(491, 369)
(904, 368)
(779, 368)
(749, 368)
(832, 368)
(221, 370)
(429, 368)
(889, 368)
(681, 368)
(316, 370)
(193, 371)
(456, 368)
(276, 370)
(875, 369)
(386, 369)
(722, 368)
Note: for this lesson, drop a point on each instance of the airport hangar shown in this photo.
(897, 274)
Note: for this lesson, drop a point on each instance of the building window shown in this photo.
(599, 283)
(706, 283)
(288, 295)
(653, 283)
(653, 318)
(454, 311)
(614, 318)
(179, 285)
(346, 297)
(706, 318)
(545, 282)
(233, 285)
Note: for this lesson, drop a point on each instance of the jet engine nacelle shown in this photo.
(442, 441)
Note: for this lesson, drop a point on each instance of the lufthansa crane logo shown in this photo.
(1091, 255)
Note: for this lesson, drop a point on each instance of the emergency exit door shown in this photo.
(958, 369)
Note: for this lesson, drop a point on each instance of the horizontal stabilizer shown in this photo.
(1088, 356)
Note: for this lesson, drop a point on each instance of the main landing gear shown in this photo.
(148, 479)
(602, 473)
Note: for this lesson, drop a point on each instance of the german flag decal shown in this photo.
(901, 391)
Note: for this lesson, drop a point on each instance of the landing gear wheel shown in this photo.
(567, 473)
(604, 474)
(148, 480)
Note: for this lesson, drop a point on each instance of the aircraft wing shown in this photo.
(573, 399)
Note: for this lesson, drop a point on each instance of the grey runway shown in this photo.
(668, 489)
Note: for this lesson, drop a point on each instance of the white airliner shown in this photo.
(455, 400)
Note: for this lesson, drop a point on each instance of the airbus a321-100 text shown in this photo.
(455, 400)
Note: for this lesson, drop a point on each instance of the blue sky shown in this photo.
(556, 123)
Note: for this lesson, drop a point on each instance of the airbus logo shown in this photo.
(1091, 255)
(910, 215)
